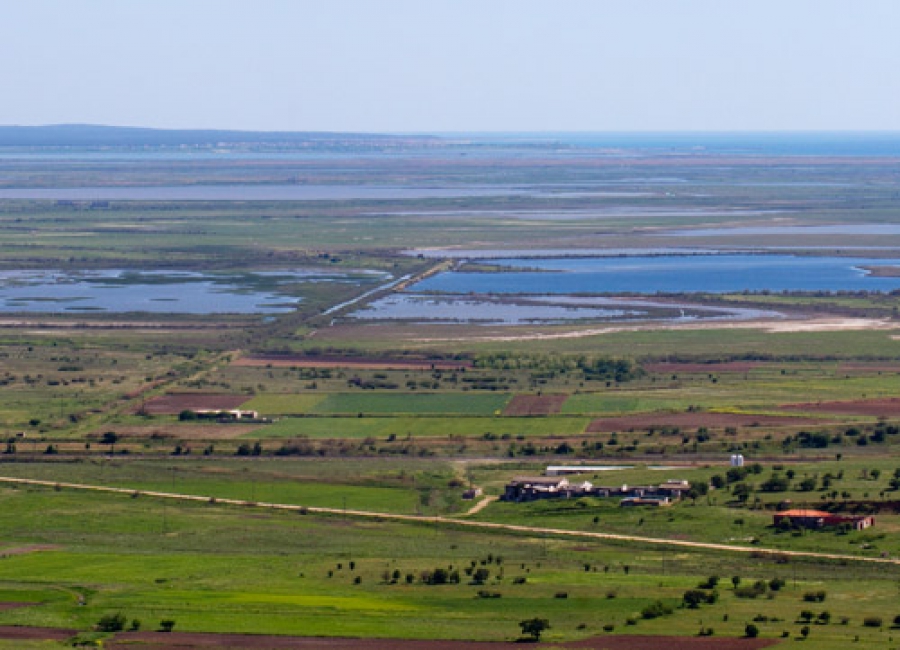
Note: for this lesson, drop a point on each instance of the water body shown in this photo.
(668, 274)
(539, 310)
(255, 193)
(119, 291)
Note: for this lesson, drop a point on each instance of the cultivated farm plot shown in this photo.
(284, 404)
(419, 427)
(880, 408)
(535, 405)
(695, 420)
(197, 641)
(174, 403)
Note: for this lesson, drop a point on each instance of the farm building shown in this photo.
(556, 487)
(530, 488)
(559, 470)
(655, 501)
(233, 414)
(821, 519)
(472, 493)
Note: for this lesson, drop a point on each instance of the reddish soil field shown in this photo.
(367, 363)
(886, 407)
(665, 368)
(671, 643)
(10, 605)
(31, 548)
(35, 633)
(861, 367)
(694, 421)
(535, 404)
(175, 403)
(225, 431)
(191, 641)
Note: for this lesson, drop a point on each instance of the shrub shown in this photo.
(755, 590)
(710, 583)
(872, 621)
(751, 631)
(166, 625)
(111, 623)
(693, 598)
(655, 610)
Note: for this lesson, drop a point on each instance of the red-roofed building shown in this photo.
(821, 519)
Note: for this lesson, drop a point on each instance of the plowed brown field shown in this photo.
(885, 407)
(695, 420)
(174, 403)
(196, 641)
(535, 404)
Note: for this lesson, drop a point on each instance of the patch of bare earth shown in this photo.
(174, 403)
(671, 643)
(196, 641)
(666, 367)
(4, 606)
(366, 363)
(695, 420)
(535, 404)
(31, 548)
(186, 431)
(864, 367)
(883, 407)
(14, 632)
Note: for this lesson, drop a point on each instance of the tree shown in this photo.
(111, 623)
(742, 491)
(166, 625)
(751, 631)
(693, 598)
(480, 576)
(808, 485)
(534, 627)
(110, 438)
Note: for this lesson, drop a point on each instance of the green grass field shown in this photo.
(421, 403)
(232, 569)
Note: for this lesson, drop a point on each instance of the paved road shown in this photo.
(482, 525)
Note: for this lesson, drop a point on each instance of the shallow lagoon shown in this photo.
(540, 310)
(119, 291)
(650, 274)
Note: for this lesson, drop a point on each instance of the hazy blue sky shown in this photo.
(453, 65)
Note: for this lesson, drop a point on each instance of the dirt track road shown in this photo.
(448, 521)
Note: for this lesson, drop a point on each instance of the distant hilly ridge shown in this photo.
(86, 135)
